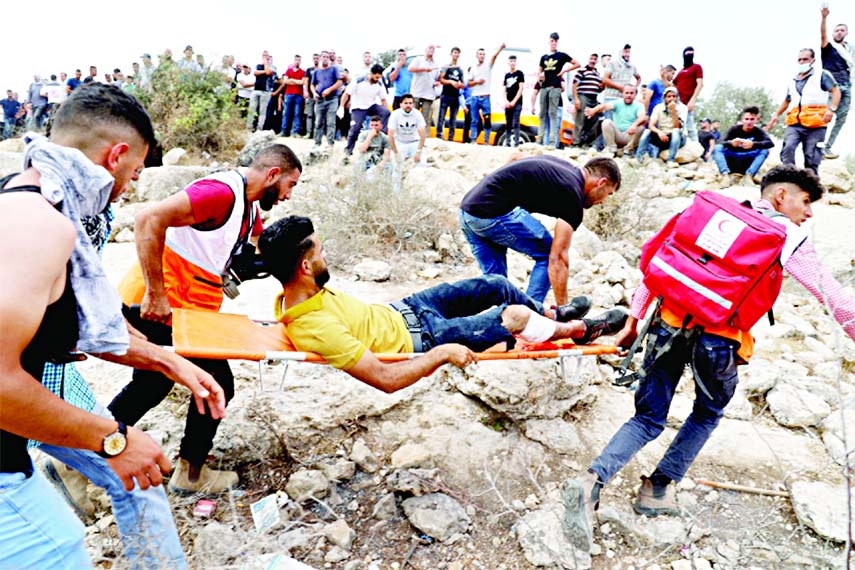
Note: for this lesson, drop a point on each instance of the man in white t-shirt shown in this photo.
(479, 95)
(246, 82)
(407, 134)
(363, 94)
(425, 73)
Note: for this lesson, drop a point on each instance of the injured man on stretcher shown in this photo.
(448, 322)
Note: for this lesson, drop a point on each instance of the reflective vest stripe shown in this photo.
(692, 284)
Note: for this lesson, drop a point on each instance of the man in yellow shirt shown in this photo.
(446, 323)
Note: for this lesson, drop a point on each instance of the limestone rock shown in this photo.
(796, 408)
(385, 508)
(339, 534)
(218, 541)
(437, 515)
(10, 162)
(556, 434)
(543, 541)
(373, 270)
(822, 507)
(175, 157)
(416, 482)
(364, 458)
(338, 470)
(832, 435)
(411, 455)
(528, 389)
(835, 176)
(160, 182)
(690, 152)
(307, 483)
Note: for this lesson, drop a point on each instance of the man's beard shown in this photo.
(268, 199)
(322, 278)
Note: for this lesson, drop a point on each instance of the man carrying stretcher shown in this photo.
(446, 322)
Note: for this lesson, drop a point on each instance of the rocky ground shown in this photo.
(464, 469)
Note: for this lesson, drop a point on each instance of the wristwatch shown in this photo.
(116, 442)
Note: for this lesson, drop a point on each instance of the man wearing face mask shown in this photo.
(809, 110)
(689, 81)
(186, 244)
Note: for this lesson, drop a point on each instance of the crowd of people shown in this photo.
(189, 246)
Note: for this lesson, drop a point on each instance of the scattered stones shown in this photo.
(339, 534)
(437, 515)
(385, 508)
(364, 457)
(413, 481)
(796, 408)
(544, 542)
(411, 455)
(307, 483)
(160, 182)
(822, 507)
(176, 157)
(373, 270)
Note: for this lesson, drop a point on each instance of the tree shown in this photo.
(727, 101)
(388, 57)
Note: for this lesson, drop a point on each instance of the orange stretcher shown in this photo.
(225, 336)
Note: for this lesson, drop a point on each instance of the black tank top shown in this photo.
(56, 337)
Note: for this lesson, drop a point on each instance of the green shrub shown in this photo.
(194, 111)
(357, 217)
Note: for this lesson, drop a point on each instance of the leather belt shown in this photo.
(414, 325)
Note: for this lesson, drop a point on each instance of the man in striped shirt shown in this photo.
(587, 85)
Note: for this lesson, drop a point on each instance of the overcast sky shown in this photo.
(745, 42)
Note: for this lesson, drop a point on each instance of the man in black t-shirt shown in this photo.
(838, 58)
(451, 78)
(514, 82)
(496, 215)
(743, 150)
(553, 66)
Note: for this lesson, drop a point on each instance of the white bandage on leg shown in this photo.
(538, 328)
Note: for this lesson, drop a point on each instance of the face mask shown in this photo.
(804, 67)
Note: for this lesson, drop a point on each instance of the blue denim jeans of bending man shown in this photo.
(39, 528)
(490, 239)
(468, 312)
(739, 162)
(480, 104)
(651, 145)
(840, 115)
(144, 518)
(809, 139)
(452, 104)
(714, 359)
(291, 114)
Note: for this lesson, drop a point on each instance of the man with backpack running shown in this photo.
(713, 351)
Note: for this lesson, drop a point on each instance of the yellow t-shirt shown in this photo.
(340, 327)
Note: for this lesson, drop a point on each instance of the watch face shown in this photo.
(114, 444)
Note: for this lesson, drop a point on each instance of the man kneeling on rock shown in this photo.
(446, 322)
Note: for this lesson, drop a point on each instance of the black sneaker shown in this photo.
(610, 322)
(577, 308)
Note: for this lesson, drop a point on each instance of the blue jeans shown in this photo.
(691, 129)
(144, 518)
(8, 128)
(651, 145)
(39, 529)
(325, 119)
(742, 162)
(291, 114)
(490, 239)
(809, 139)
(480, 103)
(452, 104)
(512, 125)
(840, 116)
(550, 116)
(714, 359)
(468, 312)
